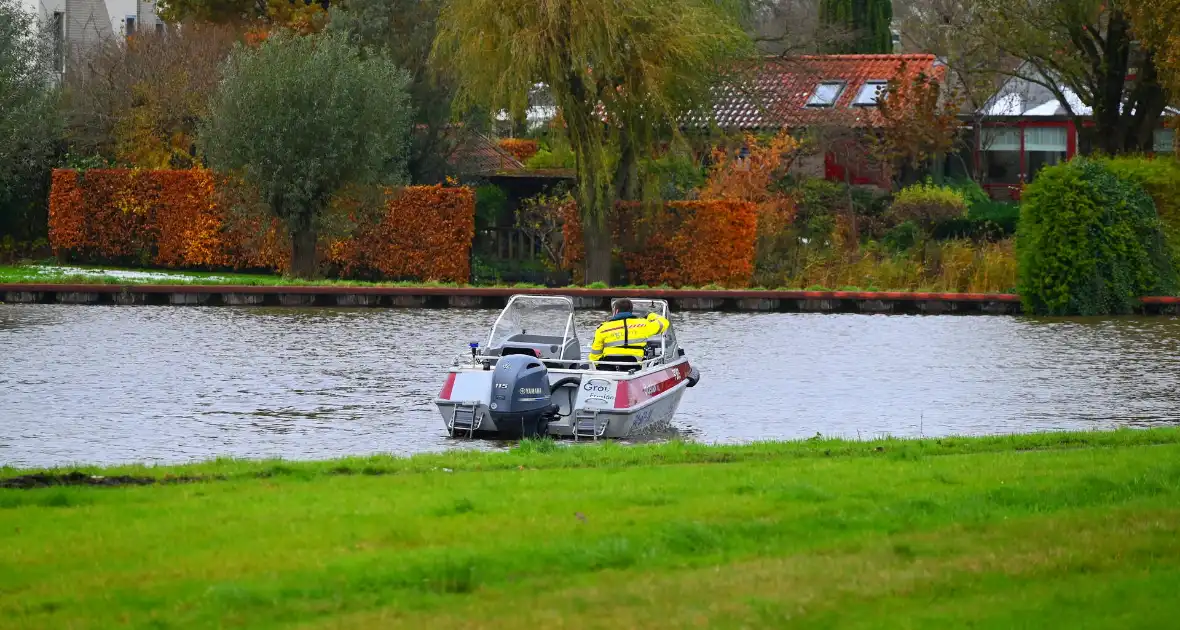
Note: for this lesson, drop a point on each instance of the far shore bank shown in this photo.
(31, 284)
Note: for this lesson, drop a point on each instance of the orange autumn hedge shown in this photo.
(146, 217)
(172, 219)
(425, 234)
(682, 243)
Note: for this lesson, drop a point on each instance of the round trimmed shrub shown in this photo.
(1089, 243)
(927, 204)
(1160, 178)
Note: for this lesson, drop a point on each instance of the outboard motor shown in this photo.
(521, 396)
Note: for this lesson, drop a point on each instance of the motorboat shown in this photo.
(530, 379)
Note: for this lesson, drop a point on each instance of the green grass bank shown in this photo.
(132, 276)
(90, 274)
(1047, 530)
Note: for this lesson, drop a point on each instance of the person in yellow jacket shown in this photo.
(624, 335)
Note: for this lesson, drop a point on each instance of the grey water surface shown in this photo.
(106, 385)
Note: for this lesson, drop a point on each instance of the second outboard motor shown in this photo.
(521, 397)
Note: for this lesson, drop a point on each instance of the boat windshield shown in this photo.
(642, 307)
(535, 316)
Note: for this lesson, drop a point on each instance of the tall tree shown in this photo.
(1084, 46)
(865, 23)
(951, 30)
(138, 102)
(919, 121)
(1156, 27)
(788, 27)
(301, 118)
(28, 120)
(623, 73)
(404, 30)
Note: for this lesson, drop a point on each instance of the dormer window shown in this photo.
(870, 93)
(826, 94)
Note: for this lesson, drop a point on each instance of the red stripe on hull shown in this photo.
(621, 395)
(447, 387)
(637, 391)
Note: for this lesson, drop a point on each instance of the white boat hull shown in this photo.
(619, 404)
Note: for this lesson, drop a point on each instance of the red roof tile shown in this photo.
(775, 95)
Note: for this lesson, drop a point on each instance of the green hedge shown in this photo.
(1089, 242)
(1160, 177)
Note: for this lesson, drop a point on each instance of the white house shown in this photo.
(1026, 127)
(80, 23)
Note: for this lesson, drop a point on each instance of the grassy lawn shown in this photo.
(1054, 530)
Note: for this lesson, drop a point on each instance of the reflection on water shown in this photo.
(114, 384)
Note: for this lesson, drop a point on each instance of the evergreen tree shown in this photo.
(865, 24)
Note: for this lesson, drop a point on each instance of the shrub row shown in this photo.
(425, 234)
(680, 243)
(177, 219)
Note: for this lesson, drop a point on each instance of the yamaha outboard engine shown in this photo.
(521, 396)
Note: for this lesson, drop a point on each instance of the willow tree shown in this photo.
(622, 72)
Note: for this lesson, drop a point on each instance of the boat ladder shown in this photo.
(586, 424)
(465, 417)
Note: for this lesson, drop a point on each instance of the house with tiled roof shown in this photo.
(813, 92)
(818, 92)
(806, 91)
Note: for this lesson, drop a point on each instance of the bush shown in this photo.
(425, 233)
(902, 237)
(676, 175)
(816, 196)
(927, 204)
(521, 148)
(972, 192)
(491, 203)
(986, 220)
(542, 218)
(1160, 177)
(559, 156)
(680, 243)
(1089, 243)
(176, 219)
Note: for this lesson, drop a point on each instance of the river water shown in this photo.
(106, 385)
